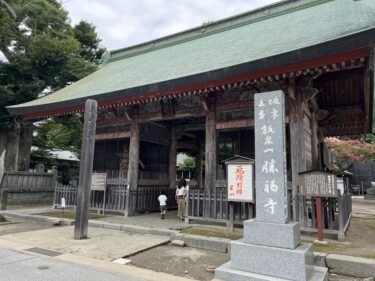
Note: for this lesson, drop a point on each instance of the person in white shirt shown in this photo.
(163, 204)
(180, 198)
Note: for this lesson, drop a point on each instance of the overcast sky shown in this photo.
(122, 23)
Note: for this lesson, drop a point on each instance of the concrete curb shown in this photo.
(351, 266)
(203, 242)
(37, 218)
(132, 228)
(339, 264)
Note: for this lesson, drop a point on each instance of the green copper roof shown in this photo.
(264, 33)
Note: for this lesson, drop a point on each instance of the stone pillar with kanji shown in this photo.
(271, 248)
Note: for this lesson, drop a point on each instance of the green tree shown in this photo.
(188, 164)
(45, 53)
(86, 34)
(61, 133)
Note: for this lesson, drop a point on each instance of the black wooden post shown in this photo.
(198, 165)
(297, 149)
(85, 172)
(231, 217)
(3, 199)
(210, 157)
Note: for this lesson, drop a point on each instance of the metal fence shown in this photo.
(142, 199)
(336, 214)
(214, 206)
(363, 175)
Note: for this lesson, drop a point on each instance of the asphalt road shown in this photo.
(17, 266)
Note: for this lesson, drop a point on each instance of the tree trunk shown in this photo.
(17, 142)
(26, 137)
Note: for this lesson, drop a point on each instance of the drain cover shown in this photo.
(45, 252)
(43, 267)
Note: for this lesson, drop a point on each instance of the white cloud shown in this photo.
(122, 23)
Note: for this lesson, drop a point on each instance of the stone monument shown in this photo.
(271, 248)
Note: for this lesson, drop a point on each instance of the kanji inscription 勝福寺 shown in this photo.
(270, 157)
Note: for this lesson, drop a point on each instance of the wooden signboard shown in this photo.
(99, 181)
(240, 180)
(318, 183)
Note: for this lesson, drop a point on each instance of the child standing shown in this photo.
(163, 204)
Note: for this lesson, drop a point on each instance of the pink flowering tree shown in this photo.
(346, 152)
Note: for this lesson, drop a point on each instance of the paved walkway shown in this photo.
(151, 220)
(102, 244)
(53, 254)
(361, 206)
(22, 266)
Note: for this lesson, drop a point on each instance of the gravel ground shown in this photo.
(191, 263)
(181, 261)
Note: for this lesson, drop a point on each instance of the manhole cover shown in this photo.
(45, 252)
(43, 267)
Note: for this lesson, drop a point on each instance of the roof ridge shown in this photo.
(252, 16)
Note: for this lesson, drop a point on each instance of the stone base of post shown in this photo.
(271, 251)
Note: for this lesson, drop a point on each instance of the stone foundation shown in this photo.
(271, 251)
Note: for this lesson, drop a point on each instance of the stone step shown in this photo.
(226, 273)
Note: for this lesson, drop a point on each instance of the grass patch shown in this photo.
(368, 256)
(335, 248)
(329, 248)
(204, 231)
(67, 215)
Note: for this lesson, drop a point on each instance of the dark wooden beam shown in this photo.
(234, 124)
(187, 145)
(355, 108)
(112, 135)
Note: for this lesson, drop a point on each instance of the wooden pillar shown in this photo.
(297, 149)
(198, 165)
(210, 153)
(314, 141)
(85, 171)
(133, 166)
(173, 159)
